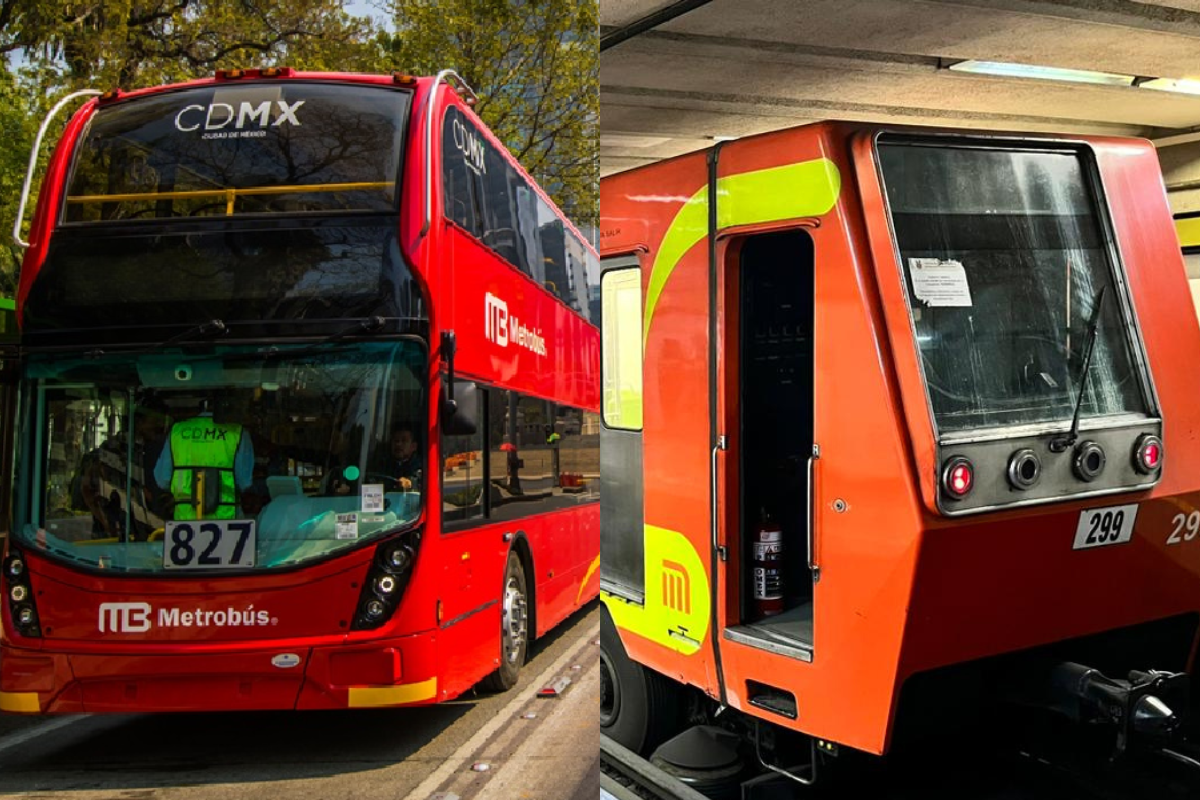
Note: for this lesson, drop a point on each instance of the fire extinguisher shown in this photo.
(768, 567)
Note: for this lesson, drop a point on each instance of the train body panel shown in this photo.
(793, 328)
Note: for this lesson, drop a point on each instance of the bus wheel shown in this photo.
(639, 708)
(514, 628)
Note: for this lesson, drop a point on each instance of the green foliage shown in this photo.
(534, 65)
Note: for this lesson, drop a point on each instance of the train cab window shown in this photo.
(1005, 256)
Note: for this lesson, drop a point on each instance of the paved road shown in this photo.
(398, 754)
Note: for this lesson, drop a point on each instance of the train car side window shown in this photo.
(621, 347)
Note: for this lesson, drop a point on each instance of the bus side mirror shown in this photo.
(460, 411)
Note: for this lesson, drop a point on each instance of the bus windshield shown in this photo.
(240, 148)
(1004, 256)
(319, 447)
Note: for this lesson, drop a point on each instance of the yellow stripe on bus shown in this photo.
(369, 696)
(587, 576)
(20, 702)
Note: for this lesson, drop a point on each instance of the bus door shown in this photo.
(768, 379)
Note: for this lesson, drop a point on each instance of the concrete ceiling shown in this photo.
(738, 67)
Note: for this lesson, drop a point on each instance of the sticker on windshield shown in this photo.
(939, 283)
(347, 526)
(372, 498)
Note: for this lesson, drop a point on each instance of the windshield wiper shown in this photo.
(365, 325)
(214, 327)
(1061, 443)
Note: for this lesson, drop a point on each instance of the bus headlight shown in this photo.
(384, 587)
(399, 557)
(20, 594)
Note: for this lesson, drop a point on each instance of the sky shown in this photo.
(369, 8)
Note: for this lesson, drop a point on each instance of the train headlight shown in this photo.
(1024, 469)
(1089, 461)
(1148, 454)
(958, 477)
(385, 585)
(26, 617)
(19, 592)
(374, 609)
(16, 567)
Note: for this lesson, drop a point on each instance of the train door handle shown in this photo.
(721, 552)
(813, 567)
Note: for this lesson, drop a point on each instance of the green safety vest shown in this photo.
(202, 447)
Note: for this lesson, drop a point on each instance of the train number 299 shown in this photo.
(1186, 526)
(1104, 526)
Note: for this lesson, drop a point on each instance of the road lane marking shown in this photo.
(21, 737)
(502, 717)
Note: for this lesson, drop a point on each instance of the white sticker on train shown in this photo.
(1099, 527)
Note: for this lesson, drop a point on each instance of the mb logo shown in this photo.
(495, 319)
(676, 587)
(124, 617)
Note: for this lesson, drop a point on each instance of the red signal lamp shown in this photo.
(1148, 454)
(958, 477)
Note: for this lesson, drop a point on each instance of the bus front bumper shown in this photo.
(388, 672)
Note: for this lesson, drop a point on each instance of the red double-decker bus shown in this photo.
(308, 407)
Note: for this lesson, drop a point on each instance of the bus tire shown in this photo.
(639, 708)
(514, 627)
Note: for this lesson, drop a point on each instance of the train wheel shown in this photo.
(514, 628)
(638, 707)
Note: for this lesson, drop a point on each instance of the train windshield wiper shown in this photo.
(1061, 443)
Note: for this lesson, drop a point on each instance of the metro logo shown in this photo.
(676, 587)
(502, 328)
(495, 319)
(218, 115)
(136, 618)
(124, 617)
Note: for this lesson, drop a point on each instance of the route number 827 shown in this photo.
(208, 544)
(1104, 526)
(1186, 528)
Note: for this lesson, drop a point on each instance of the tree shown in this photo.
(534, 65)
(56, 46)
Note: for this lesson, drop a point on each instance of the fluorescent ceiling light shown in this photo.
(1182, 86)
(1006, 70)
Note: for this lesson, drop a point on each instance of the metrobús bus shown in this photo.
(309, 406)
(909, 429)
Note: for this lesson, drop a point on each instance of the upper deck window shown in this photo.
(240, 149)
(491, 200)
(1004, 254)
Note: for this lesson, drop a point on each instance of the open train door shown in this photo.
(766, 370)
